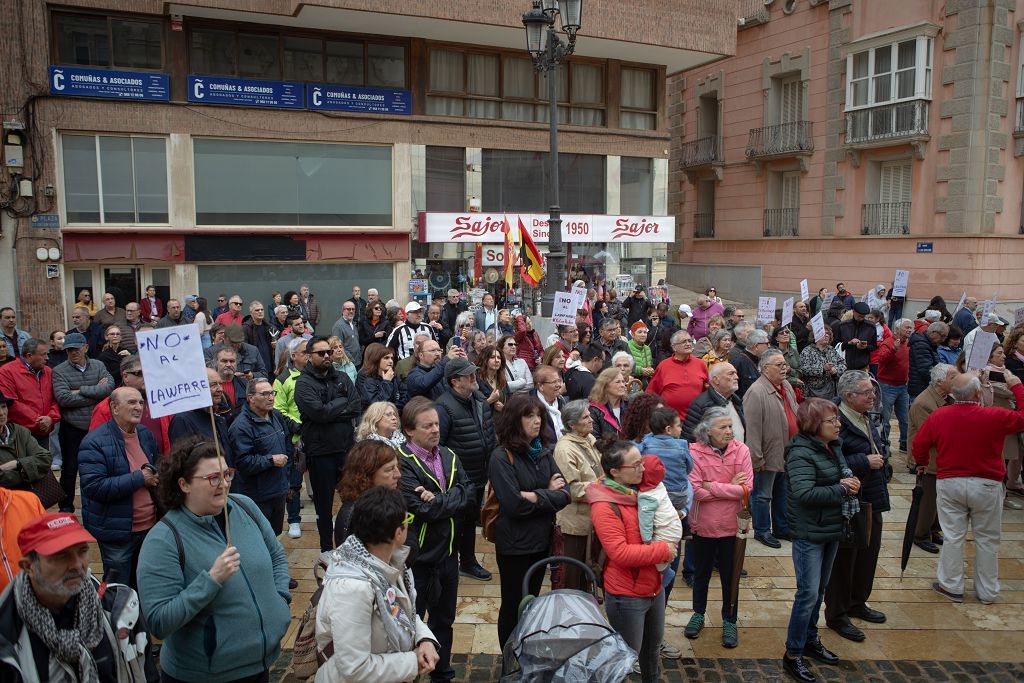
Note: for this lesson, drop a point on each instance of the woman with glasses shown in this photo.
(112, 353)
(374, 326)
(380, 422)
(220, 606)
(517, 372)
(366, 621)
(821, 366)
(464, 333)
(608, 403)
(85, 301)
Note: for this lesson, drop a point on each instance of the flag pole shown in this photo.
(221, 464)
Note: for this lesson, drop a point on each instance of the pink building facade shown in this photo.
(846, 140)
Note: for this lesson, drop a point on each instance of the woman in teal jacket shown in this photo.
(220, 607)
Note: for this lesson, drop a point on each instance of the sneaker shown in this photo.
(636, 668)
(294, 530)
(695, 626)
(475, 572)
(1012, 505)
(669, 651)
(955, 597)
(730, 636)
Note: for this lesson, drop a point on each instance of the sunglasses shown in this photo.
(322, 353)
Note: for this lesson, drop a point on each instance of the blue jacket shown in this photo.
(107, 481)
(214, 632)
(965, 320)
(675, 456)
(197, 422)
(429, 382)
(254, 440)
(948, 354)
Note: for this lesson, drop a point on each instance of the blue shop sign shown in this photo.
(74, 81)
(245, 92)
(322, 96)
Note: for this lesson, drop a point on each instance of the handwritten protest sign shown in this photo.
(787, 311)
(826, 303)
(805, 293)
(900, 283)
(765, 309)
(580, 294)
(818, 326)
(564, 310)
(172, 360)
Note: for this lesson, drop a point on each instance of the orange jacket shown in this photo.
(17, 508)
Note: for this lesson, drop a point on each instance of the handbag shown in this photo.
(48, 490)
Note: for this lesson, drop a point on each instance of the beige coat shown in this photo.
(926, 403)
(580, 464)
(767, 432)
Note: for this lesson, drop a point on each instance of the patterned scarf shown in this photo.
(70, 646)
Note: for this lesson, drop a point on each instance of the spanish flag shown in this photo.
(532, 270)
(509, 255)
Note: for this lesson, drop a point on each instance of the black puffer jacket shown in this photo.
(327, 403)
(814, 496)
(857, 358)
(746, 368)
(923, 357)
(522, 527)
(709, 399)
(367, 332)
(467, 427)
(434, 523)
(874, 486)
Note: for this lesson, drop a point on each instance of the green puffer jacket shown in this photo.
(814, 495)
(642, 358)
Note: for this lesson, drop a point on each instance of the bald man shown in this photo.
(198, 421)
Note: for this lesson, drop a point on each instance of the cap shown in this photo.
(413, 306)
(932, 315)
(75, 340)
(639, 288)
(191, 297)
(8, 401)
(458, 367)
(438, 294)
(638, 325)
(233, 333)
(684, 309)
(992, 319)
(862, 308)
(49, 534)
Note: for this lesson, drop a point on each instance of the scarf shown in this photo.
(353, 561)
(70, 646)
(612, 484)
(533, 451)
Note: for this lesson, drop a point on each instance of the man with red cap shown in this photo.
(54, 622)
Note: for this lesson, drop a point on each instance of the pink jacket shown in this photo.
(698, 325)
(713, 513)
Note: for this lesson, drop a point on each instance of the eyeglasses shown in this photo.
(217, 478)
(511, 343)
(556, 382)
(637, 467)
(323, 353)
(267, 394)
(133, 373)
(684, 341)
(834, 420)
(409, 518)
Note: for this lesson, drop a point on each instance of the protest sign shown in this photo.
(826, 303)
(900, 282)
(564, 310)
(787, 311)
(805, 293)
(963, 298)
(765, 309)
(818, 326)
(981, 349)
(987, 308)
(175, 370)
(1018, 316)
(580, 294)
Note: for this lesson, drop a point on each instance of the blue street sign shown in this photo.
(321, 96)
(75, 81)
(245, 92)
(50, 221)
(925, 247)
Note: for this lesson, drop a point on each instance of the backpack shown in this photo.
(489, 512)
(306, 658)
(596, 558)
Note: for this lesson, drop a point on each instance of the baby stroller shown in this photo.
(563, 637)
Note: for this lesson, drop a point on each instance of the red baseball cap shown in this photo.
(49, 534)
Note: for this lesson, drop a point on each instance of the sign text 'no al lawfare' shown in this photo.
(172, 360)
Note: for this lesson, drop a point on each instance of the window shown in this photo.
(493, 86)
(637, 186)
(446, 179)
(94, 40)
(639, 109)
(218, 52)
(114, 179)
(518, 181)
(791, 100)
(894, 182)
(890, 73)
(246, 182)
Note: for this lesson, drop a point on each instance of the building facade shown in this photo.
(845, 140)
(226, 147)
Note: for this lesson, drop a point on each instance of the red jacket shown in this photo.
(630, 569)
(32, 397)
(529, 347)
(969, 438)
(149, 312)
(679, 382)
(893, 363)
(876, 354)
(101, 416)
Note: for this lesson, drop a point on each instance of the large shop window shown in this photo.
(250, 54)
(518, 181)
(637, 186)
(114, 179)
(890, 73)
(494, 86)
(246, 182)
(94, 40)
(446, 179)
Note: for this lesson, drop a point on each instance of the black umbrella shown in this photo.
(911, 528)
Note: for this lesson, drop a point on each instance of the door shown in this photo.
(894, 195)
(123, 283)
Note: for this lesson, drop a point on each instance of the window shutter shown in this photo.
(894, 182)
(791, 190)
(791, 101)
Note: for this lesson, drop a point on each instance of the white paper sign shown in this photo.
(787, 311)
(818, 326)
(1018, 316)
(987, 308)
(900, 282)
(826, 303)
(765, 309)
(805, 293)
(175, 370)
(580, 294)
(564, 310)
(981, 349)
(963, 298)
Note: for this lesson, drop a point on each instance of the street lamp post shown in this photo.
(548, 50)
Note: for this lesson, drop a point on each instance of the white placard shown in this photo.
(175, 370)
(787, 311)
(826, 303)
(818, 326)
(963, 298)
(805, 293)
(765, 309)
(580, 294)
(900, 283)
(981, 349)
(987, 308)
(564, 310)
(1018, 316)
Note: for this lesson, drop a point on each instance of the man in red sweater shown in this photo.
(893, 374)
(681, 378)
(968, 439)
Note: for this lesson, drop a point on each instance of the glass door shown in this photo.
(123, 282)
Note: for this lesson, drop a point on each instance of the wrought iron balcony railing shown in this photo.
(703, 225)
(888, 218)
(701, 152)
(782, 140)
(781, 222)
(887, 122)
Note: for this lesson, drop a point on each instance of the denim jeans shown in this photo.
(768, 503)
(295, 486)
(689, 566)
(813, 565)
(641, 622)
(899, 398)
(122, 558)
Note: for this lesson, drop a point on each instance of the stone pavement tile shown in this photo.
(1005, 646)
(926, 644)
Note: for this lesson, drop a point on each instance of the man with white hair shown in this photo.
(679, 379)
(750, 344)
(968, 439)
(924, 355)
(893, 375)
(723, 381)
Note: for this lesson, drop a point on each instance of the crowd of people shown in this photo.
(643, 430)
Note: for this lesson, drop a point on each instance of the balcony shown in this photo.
(703, 225)
(781, 141)
(888, 124)
(889, 218)
(781, 222)
(1018, 126)
(752, 13)
(701, 152)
